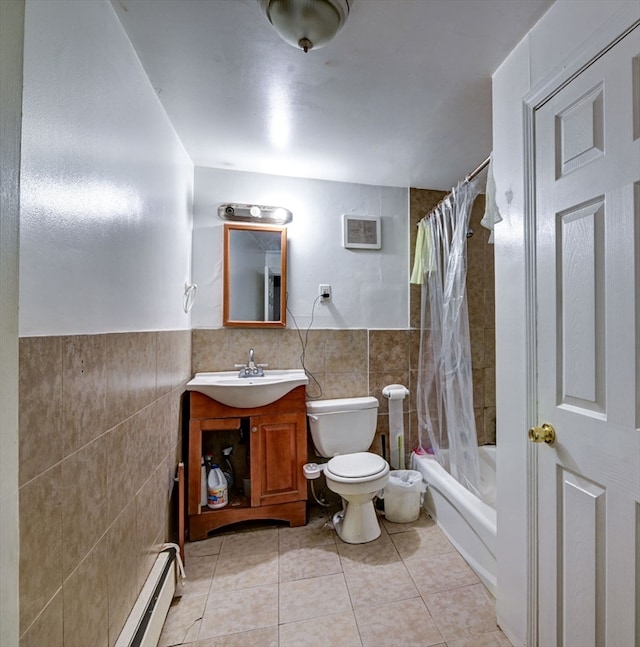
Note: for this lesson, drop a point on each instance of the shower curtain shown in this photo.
(445, 389)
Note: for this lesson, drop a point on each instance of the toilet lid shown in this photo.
(357, 465)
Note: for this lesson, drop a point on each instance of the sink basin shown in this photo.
(247, 392)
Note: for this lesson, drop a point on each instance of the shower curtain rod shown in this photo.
(476, 171)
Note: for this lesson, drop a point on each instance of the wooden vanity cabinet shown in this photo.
(277, 448)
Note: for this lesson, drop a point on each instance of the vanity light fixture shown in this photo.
(307, 24)
(255, 213)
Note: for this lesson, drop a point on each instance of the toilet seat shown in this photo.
(356, 467)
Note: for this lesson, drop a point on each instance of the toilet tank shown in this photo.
(343, 425)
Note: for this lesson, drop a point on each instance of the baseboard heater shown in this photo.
(145, 622)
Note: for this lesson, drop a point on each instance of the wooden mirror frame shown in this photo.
(226, 297)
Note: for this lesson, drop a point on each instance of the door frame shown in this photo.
(600, 42)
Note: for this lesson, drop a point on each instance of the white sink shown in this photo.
(247, 392)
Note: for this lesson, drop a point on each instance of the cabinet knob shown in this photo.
(254, 429)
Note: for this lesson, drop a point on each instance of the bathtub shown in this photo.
(468, 522)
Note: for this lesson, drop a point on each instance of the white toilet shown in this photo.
(343, 430)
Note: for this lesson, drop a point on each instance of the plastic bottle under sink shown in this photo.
(217, 488)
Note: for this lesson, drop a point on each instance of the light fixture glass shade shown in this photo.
(306, 23)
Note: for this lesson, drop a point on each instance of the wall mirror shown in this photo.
(255, 276)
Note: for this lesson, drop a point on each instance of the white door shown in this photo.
(269, 294)
(587, 148)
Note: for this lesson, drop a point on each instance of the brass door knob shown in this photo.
(546, 434)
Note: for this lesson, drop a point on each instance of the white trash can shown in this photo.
(403, 496)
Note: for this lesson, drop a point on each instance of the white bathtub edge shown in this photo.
(468, 523)
(488, 578)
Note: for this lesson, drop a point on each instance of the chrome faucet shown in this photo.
(251, 369)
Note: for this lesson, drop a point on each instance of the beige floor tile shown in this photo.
(251, 542)
(423, 521)
(420, 542)
(375, 553)
(233, 599)
(406, 623)
(245, 571)
(314, 597)
(490, 639)
(319, 531)
(339, 630)
(379, 584)
(210, 546)
(465, 611)
(231, 612)
(183, 621)
(382, 540)
(264, 637)
(440, 572)
(306, 562)
(198, 571)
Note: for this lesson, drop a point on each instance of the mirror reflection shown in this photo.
(255, 276)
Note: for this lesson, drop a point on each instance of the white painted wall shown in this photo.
(564, 29)
(370, 288)
(11, 45)
(106, 184)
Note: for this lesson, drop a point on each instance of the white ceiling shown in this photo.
(401, 97)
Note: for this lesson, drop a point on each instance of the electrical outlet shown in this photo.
(325, 293)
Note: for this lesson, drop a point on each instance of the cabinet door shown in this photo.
(278, 452)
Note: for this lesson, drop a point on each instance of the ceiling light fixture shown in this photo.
(255, 213)
(308, 24)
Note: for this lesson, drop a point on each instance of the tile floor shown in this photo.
(275, 586)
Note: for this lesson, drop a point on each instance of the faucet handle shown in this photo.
(262, 365)
(240, 366)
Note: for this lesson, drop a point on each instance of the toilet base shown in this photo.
(358, 523)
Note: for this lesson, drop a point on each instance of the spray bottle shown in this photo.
(229, 471)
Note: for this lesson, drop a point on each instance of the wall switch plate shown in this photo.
(324, 292)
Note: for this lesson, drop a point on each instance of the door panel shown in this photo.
(580, 352)
(587, 271)
(583, 543)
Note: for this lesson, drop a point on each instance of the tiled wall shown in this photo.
(482, 325)
(99, 443)
(481, 304)
(343, 363)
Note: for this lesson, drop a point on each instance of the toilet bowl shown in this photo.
(357, 478)
(342, 430)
